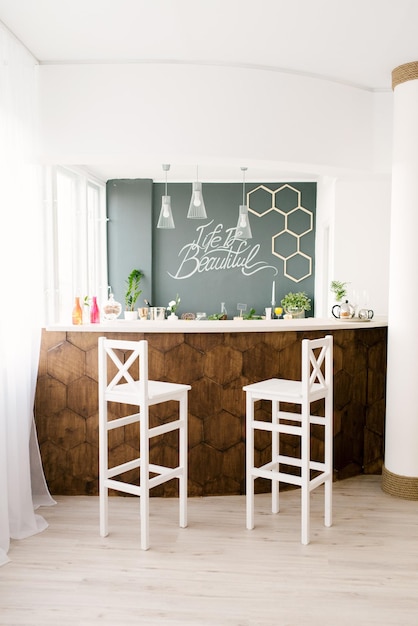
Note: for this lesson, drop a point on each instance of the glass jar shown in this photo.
(111, 308)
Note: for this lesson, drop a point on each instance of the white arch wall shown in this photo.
(213, 112)
(196, 114)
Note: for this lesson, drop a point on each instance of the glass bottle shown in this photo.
(94, 311)
(224, 314)
(77, 316)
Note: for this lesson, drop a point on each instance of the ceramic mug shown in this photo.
(366, 314)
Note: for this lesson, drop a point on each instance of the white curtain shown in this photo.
(22, 483)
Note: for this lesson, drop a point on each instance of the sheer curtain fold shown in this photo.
(4, 508)
(22, 483)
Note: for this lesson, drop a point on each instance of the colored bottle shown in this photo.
(94, 312)
(77, 312)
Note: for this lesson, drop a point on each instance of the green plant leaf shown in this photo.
(297, 300)
(339, 289)
(133, 291)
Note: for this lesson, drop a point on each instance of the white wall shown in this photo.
(362, 211)
(361, 238)
(197, 114)
(222, 113)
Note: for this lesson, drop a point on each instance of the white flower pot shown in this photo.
(131, 315)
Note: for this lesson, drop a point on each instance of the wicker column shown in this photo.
(400, 472)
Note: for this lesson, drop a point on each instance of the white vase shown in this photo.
(131, 315)
(173, 317)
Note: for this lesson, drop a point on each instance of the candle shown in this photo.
(273, 292)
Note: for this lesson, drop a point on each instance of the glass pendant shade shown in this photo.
(197, 208)
(166, 216)
(243, 230)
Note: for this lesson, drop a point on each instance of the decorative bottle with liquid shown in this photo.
(77, 316)
(94, 311)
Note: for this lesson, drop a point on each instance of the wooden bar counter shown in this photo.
(217, 358)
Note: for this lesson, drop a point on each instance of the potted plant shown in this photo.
(295, 304)
(252, 315)
(217, 316)
(345, 310)
(132, 293)
(339, 289)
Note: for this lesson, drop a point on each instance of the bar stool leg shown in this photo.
(104, 515)
(275, 449)
(144, 513)
(328, 462)
(144, 480)
(183, 462)
(328, 504)
(250, 461)
(103, 465)
(305, 492)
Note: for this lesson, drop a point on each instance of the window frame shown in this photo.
(75, 241)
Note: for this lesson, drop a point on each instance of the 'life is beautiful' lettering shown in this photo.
(215, 250)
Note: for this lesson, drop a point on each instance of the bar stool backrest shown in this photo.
(137, 361)
(316, 366)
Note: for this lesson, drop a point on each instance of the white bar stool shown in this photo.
(122, 381)
(316, 384)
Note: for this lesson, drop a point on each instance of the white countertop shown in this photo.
(219, 326)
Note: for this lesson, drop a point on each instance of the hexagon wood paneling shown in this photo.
(217, 365)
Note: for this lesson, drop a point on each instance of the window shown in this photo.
(76, 251)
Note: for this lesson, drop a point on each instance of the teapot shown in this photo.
(343, 311)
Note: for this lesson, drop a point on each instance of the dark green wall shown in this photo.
(129, 234)
(181, 258)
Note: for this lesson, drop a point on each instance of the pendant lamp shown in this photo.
(166, 216)
(243, 230)
(197, 205)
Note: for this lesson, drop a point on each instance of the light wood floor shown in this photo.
(363, 570)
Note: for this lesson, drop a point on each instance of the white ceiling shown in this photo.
(358, 42)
